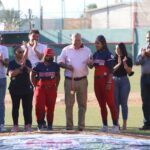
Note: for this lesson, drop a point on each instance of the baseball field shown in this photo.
(93, 117)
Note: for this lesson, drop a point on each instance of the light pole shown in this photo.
(62, 21)
(41, 15)
(84, 15)
(107, 14)
(62, 14)
(19, 14)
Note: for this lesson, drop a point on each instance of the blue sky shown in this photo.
(53, 8)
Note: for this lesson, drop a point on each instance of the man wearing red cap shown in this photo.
(45, 78)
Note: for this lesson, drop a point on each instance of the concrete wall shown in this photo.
(112, 17)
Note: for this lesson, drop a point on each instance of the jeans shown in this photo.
(145, 94)
(121, 93)
(2, 97)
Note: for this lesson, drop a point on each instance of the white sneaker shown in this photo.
(15, 128)
(104, 129)
(27, 128)
(115, 129)
(2, 128)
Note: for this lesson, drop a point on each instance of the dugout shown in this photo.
(13, 38)
(58, 39)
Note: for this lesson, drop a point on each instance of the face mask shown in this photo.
(49, 59)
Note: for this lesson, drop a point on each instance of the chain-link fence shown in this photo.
(70, 14)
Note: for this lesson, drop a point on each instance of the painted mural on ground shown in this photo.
(72, 141)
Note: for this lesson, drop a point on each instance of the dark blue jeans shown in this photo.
(145, 94)
(121, 93)
(2, 97)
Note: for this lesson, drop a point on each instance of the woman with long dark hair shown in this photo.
(122, 68)
(103, 62)
(20, 88)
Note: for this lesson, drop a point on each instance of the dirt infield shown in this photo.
(134, 99)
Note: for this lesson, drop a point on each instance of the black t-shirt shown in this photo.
(120, 72)
(20, 84)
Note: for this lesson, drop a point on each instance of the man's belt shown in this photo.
(76, 79)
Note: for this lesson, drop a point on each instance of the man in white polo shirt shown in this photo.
(3, 65)
(33, 49)
(75, 58)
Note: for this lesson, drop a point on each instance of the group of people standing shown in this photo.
(34, 74)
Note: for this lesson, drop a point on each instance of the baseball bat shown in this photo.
(72, 84)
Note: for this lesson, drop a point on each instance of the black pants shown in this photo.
(145, 94)
(27, 107)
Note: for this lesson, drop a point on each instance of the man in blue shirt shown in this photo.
(143, 59)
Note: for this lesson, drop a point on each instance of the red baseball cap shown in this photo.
(49, 52)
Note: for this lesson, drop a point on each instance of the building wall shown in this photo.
(67, 23)
(115, 18)
(120, 18)
(143, 14)
(79, 23)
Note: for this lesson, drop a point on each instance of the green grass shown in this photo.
(93, 117)
(135, 79)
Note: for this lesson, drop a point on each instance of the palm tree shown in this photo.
(12, 19)
(1, 5)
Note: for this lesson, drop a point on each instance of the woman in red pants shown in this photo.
(103, 61)
(45, 78)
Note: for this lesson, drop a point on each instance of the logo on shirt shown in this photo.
(100, 62)
(47, 75)
(111, 56)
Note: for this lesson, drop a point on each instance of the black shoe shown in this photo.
(50, 127)
(69, 128)
(40, 127)
(145, 127)
(80, 129)
(44, 124)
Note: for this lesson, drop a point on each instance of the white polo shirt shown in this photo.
(4, 52)
(78, 58)
(32, 55)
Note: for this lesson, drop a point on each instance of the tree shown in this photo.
(91, 6)
(1, 5)
(11, 19)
